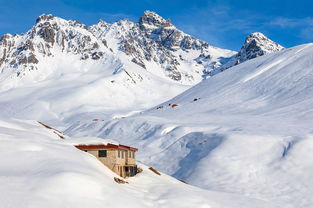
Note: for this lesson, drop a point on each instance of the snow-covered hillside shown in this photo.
(247, 130)
(38, 169)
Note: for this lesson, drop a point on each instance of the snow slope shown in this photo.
(87, 94)
(246, 131)
(38, 169)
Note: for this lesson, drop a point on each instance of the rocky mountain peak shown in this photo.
(103, 23)
(45, 20)
(49, 37)
(257, 44)
(153, 44)
(149, 18)
(44, 17)
(256, 36)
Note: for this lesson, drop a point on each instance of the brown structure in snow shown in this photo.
(119, 158)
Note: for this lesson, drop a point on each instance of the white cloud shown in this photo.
(285, 22)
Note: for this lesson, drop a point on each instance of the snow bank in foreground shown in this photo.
(38, 169)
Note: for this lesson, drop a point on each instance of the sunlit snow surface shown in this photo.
(38, 169)
(246, 131)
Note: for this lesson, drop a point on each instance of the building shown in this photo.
(119, 158)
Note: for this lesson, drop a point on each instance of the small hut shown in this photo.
(120, 159)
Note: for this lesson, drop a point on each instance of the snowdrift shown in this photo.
(38, 169)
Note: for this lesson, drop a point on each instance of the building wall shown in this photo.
(126, 159)
(114, 162)
(132, 159)
(109, 160)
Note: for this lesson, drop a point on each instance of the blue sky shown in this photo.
(223, 23)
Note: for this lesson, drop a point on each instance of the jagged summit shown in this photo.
(44, 17)
(153, 44)
(257, 44)
(153, 19)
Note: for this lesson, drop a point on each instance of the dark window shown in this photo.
(122, 154)
(102, 153)
(130, 154)
(119, 153)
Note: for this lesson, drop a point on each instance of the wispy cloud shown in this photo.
(304, 26)
(110, 17)
(285, 22)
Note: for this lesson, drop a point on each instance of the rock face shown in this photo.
(255, 45)
(155, 41)
(153, 44)
(48, 38)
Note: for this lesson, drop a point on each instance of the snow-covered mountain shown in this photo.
(61, 69)
(70, 69)
(255, 45)
(155, 41)
(245, 131)
(153, 44)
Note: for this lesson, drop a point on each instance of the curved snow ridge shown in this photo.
(168, 129)
(263, 69)
(118, 116)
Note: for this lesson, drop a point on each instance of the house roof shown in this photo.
(104, 146)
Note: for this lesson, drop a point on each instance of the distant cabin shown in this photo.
(119, 158)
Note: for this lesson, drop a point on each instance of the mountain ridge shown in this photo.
(153, 44)
(163, 50)
(256, 44)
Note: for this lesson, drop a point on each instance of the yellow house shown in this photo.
(120, 159)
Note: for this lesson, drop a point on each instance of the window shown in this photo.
(102, 153)
(130, 154)
(122, 154)
(133, 154)
(119, 153)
